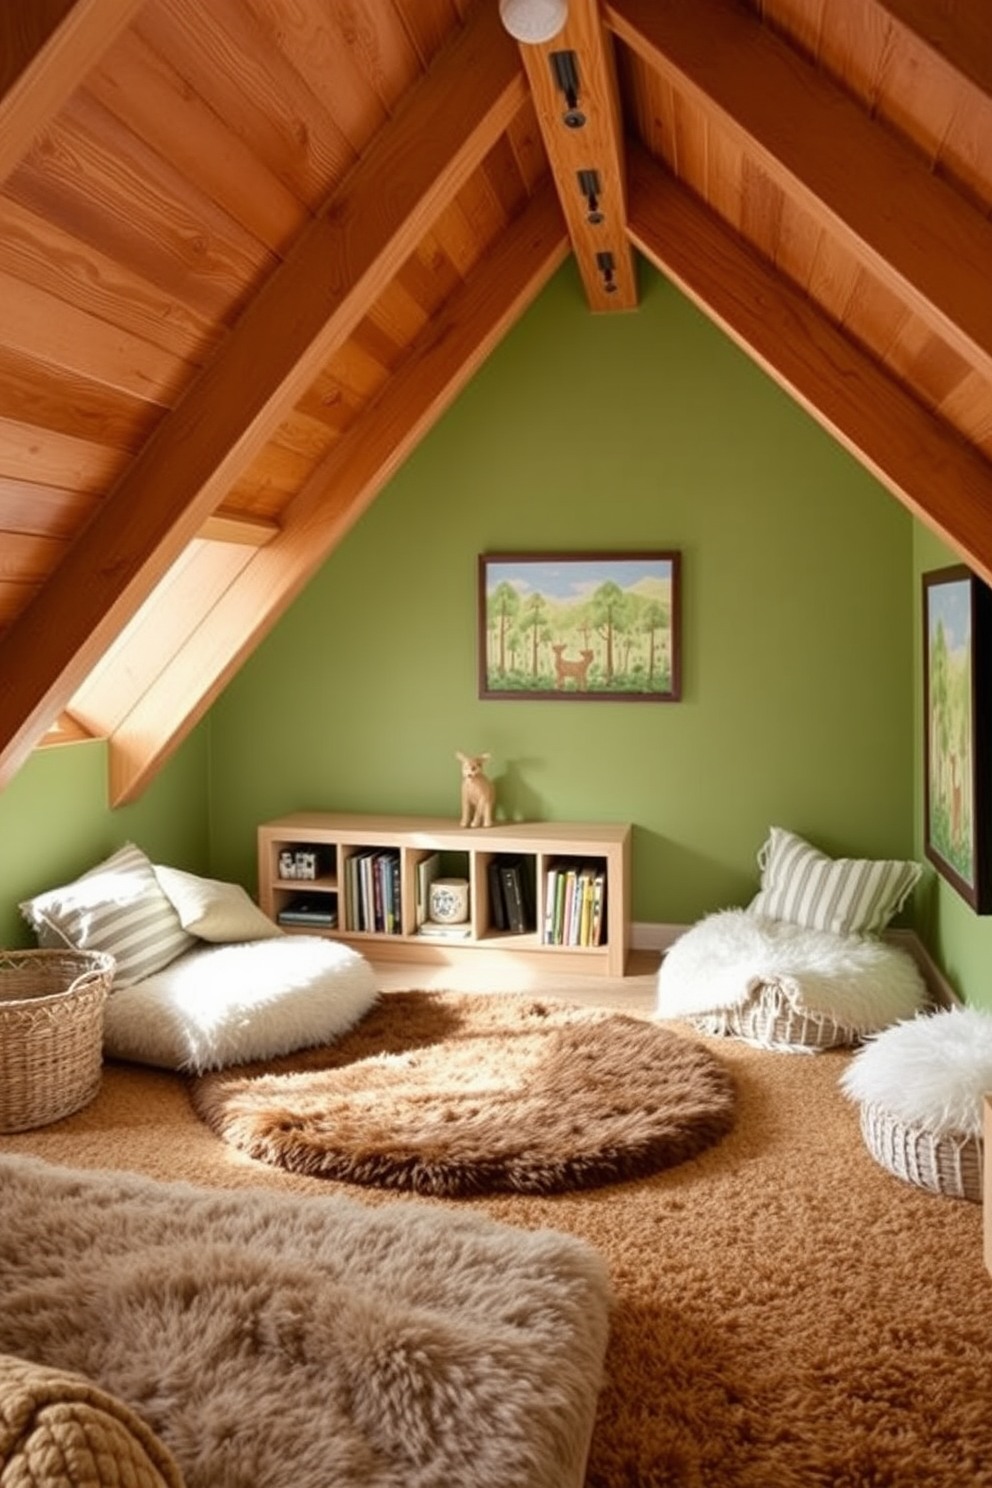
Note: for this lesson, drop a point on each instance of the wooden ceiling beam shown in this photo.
(921, 460)
(961, 34)
(46, 49)
(166, 622)
(412, 170)
(442, 361)
(65, 730)
(583, 137)
(917, 234)
(235, 527)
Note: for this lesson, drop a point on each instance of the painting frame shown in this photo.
(957, 759)
(580, 627)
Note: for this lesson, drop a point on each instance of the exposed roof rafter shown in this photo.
(869, 188)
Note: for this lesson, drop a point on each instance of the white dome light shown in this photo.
(533, 20)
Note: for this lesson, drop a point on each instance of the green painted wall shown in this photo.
(55, 821)
(959, 940)
(640, 431)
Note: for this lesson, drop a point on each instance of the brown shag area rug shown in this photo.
(457, 1094)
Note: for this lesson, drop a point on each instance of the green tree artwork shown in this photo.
(596, 627)
(956, 610)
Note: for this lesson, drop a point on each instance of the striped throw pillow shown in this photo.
(118, 907)
(850, 896)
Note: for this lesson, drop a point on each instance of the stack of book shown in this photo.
(316, 910)
(372, 891)
(511, 894)
(575, 905)
(436, 930)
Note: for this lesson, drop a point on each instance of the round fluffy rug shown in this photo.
(459, 1093)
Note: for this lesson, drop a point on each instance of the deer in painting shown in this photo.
(578, 670)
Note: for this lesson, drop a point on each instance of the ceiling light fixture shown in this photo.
(533, 21)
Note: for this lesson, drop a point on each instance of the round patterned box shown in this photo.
(448, 902)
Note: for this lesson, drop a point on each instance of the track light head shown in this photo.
(565, 70)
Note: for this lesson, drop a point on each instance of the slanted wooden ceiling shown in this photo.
(251, 249)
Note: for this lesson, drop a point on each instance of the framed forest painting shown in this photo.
(580, 626)
(957, 696)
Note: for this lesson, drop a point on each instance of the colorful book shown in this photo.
(550, 896)
(428, 869)
(586, 878)
(497, 904)
(513, 896)
(598, 908)
(560, 906)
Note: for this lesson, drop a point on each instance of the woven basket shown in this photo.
(51, 1033)
(950, 1164)
(768, 1018)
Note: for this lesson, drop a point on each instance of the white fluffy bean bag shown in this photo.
(217, 1005)
(784, 986)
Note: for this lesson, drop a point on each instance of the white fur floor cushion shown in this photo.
(930, 1072)
(224, 1004)
(730, 960)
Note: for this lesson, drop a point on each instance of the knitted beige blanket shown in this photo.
(58, 1430)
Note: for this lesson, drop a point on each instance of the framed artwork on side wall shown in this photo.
(586, 627)
(957, 738)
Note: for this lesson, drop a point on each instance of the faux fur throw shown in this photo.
(58, 1430)
(726, 958)
(275, 1341)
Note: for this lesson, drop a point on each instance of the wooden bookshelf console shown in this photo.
(465, 852)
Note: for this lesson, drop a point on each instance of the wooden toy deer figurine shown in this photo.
(478, 791)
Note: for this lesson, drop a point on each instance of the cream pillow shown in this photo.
(117, 907)
(849, 896)
(213, 910)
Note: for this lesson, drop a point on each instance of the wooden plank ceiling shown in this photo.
(250, 250)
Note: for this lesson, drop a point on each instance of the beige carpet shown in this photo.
(443, 1093)
(790, 1315)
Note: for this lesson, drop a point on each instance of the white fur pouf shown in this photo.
(920, 1086)
(218, 1005)
(784, 986)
